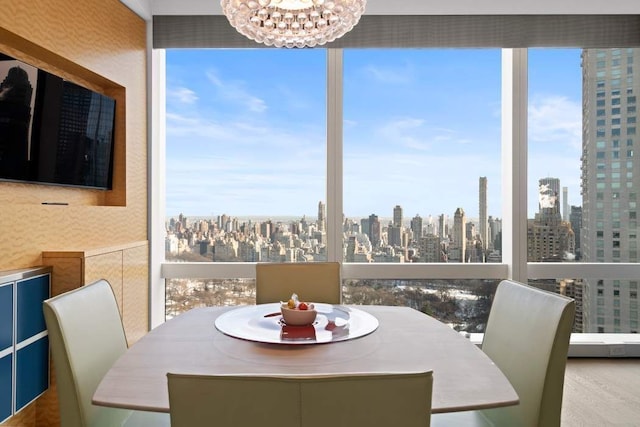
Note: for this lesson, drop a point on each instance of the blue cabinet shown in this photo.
(24, 341)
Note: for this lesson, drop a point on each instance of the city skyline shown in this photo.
(217, 108)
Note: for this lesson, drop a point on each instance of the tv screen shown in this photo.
(53, 131)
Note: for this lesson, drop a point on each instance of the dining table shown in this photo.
(254, 340)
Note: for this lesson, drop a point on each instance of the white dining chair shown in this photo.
(86, 337)
(344, 400)
(312, 281)
(527, 337)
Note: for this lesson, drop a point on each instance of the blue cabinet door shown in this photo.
(29, 315)
(6, 316)
(32, 371)
(5, 387)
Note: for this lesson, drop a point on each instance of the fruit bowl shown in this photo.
(297, 317)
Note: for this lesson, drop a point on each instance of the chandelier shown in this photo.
(293, 23)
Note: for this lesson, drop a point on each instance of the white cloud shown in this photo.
(182, 95)
(555, 119)
(390, 75)
(235, 91)
(415, 134)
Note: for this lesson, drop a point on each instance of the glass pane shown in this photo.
(462, 304)
(583, 175)
(245, 155)
(422, 174)
(184, 294)
(555, 147)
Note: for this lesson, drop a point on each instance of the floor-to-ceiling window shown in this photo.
(400, 240)
(245, 164)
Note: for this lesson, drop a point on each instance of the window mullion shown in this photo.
(514, 162)
(334, 154)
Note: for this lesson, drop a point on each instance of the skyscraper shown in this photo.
(549, 196)
(457, 249)
(442, 226)
(610, 183)
(565, 203)
(321, 216)
(375, 230)
(549, 239)
(416, 227)
(484, 224)
(397, 216)
(575, 217)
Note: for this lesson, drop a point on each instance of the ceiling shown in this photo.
(147, 8)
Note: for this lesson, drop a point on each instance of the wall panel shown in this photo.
(100, 44)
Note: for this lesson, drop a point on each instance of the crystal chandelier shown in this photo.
(293, 23)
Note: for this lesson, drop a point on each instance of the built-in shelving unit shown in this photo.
(24, 340)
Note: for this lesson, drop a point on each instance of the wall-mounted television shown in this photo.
(53, 131)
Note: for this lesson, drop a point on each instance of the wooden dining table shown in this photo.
(251, 340)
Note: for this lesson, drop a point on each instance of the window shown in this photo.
(242, 144)
(557, 118)
(411, 112)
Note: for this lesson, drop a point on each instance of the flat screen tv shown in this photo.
(53, 131)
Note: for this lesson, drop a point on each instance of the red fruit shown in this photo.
(303, 306)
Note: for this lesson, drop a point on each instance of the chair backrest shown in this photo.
(347, 400)
(527, 336)
(86, 336)
(311, 281)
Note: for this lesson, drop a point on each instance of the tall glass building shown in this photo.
(610, 184)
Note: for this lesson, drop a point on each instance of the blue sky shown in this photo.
(246, 130)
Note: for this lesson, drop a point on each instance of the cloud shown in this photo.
(241, 167)
(390, 75)
(235, 91)
(244, 185)
(555, 119)
(182, 95)
(349, 123)
(414, 133)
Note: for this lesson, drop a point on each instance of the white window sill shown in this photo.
(594, 345)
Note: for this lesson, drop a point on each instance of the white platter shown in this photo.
(333, 323)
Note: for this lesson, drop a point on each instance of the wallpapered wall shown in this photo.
(100, 44)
